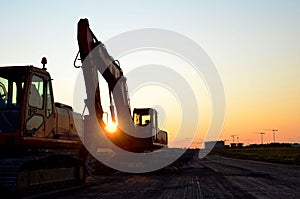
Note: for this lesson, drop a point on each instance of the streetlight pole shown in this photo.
(262, 137)
(233, 138)
(274, 131)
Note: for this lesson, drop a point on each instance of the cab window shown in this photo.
(141, 120)
(36, 92)
(10, 93)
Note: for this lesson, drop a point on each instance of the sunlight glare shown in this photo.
(111, 127)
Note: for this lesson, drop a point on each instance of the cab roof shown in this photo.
(6, 71)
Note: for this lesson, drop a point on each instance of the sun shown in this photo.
(111, 127)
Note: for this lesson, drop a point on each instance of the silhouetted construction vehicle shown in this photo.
(136, 134)
(40, 146)
(40, 140)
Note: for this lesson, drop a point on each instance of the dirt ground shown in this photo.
(211, 177)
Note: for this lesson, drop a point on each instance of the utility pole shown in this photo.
(274, 131)
(262, 137)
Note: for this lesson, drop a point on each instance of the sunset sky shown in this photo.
(254, 45)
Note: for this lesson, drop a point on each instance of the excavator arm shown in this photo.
(95, 58)
(86, 44)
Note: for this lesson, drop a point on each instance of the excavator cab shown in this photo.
(147, 117)
(26, 101)
(28, 111)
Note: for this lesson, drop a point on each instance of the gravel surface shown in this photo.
(211, 177)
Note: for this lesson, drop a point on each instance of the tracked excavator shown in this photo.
(42, 141)
(40, 146)
(138, 132)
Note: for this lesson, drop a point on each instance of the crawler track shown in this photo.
(26, 175)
